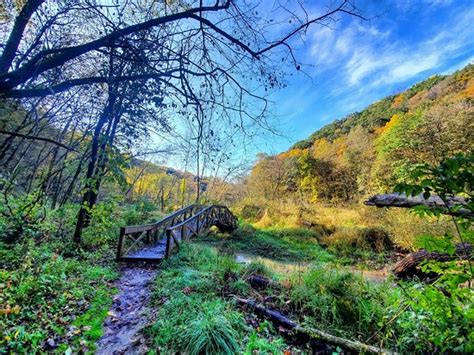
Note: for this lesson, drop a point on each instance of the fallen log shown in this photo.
(281, 320)
(409, 265)
(261, 282)
(434, 201)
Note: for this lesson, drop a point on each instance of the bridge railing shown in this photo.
(214, 215)
(172, 230)
(133, 238)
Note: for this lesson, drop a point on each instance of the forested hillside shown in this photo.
(370, 151)
(324, 179)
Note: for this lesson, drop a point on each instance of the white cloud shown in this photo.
(364, 54)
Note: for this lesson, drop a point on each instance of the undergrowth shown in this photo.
(52, 303)
(196, 313)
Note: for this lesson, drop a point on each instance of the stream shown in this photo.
(129, 313)
(289, 267)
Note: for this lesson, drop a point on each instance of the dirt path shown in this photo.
(129, 313)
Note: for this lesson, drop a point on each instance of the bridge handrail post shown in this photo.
(120, 243)
(168, 242)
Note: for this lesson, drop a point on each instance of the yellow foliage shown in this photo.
(398, 101)
(292, 153)
(321, 148)
(394, 121)
(468, 92)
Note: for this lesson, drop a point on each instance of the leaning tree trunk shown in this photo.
(434, 201)
(409, 266)
(90, 194)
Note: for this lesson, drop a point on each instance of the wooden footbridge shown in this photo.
(154, 242)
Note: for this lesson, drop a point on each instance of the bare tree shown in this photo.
(147, 64)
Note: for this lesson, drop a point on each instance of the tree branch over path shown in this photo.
(50, 59)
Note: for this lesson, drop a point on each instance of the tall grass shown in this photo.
(338, 301)
(194, 316)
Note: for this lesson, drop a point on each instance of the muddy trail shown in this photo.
(129, 313)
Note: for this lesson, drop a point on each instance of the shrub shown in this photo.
(376, 239)
(42, 297)
(251, 213)
(358, 243)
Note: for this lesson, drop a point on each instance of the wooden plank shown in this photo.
(177, 227)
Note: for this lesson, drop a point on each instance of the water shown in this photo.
(289, 267)
(281, 267)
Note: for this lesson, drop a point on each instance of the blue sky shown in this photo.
(359, 62)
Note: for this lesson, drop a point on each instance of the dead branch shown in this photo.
(449, 206)
(279, 319)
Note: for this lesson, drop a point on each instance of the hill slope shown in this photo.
(370, 151)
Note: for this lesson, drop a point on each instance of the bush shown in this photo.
(251, 213)
(433, 322)
(376, 239)
(358, 243)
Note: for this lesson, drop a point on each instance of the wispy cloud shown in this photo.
(373, 57)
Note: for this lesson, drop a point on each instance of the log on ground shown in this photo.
(279, 319)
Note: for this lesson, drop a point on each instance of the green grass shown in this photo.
(340, 302)
(195, 311)
(290, 244)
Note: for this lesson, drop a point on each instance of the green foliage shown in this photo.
(436, 320)
(42, 298)
(23, 216)
(195, 280)
(338, 301)
(214, 330)
(439, 315)
(103, 229)
(259, 343)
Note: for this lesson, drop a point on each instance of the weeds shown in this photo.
(336, 300)
(194, 313)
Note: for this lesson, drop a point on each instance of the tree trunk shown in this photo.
(409, 265)
(91, 187)
(404, 201)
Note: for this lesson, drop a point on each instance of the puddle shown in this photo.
(281, 267)
(129, 313)
(289, 267)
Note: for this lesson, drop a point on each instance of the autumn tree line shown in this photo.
(371, 151)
